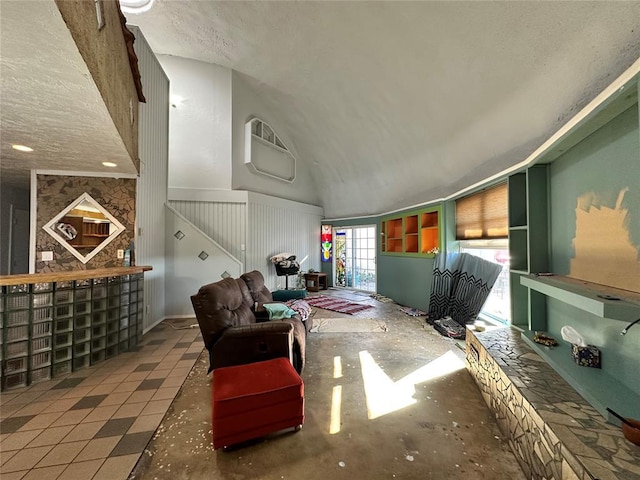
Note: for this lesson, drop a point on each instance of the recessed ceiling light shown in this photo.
(136, 6)
(109, 164)
(22, 148)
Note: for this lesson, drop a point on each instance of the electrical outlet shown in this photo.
(47, 256)
(120, 253)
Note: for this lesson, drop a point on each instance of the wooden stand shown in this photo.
(315, 282)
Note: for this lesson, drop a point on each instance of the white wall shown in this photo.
(222, 220)
(239, 230)
(275, 226)
(199, 125)
(153, 147)
(247, 103)
(264, 225)
(186, 272)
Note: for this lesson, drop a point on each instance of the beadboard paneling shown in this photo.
(277, 226)
(193, 260)
(223, 222)
(264, 225)
(153, 149)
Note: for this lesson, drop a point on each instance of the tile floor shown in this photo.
(96, 422)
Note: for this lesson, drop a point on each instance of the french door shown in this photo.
(355, 257)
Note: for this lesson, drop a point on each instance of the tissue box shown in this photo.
(588, 356)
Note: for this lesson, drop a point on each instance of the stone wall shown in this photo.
(553, 432)
(55, 193)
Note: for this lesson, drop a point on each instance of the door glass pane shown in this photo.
(356, 258)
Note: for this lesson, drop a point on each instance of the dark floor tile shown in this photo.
(89, 402)
(146, 367)
(190, 356)
(68, 383)
(131, 443)
(182, 345)
(114, 427)
(12, 424)
(151, 384)
(158, 341)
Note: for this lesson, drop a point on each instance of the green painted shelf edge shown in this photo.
(596, 386)
(584, 295)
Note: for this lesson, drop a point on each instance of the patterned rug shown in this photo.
(336, 304)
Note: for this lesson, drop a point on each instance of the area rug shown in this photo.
(348, 325)
(336, 304)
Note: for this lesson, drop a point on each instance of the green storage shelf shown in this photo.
(586, 296)
(595, 385)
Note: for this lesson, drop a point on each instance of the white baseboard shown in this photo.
(169, 317)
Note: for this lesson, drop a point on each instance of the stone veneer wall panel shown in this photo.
(55, 193)
(553, 432)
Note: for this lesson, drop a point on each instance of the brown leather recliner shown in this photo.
(234, 330)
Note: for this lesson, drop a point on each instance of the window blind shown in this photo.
(483, 215)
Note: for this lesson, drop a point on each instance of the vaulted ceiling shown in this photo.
(399, 103)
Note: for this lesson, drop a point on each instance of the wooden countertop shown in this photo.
(73, 275)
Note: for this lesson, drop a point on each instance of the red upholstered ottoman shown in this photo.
(253, 400)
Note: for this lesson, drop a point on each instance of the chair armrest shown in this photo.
(253, 343)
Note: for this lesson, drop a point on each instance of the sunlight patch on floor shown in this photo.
(337, 367)
(336, 404)
(385, 396)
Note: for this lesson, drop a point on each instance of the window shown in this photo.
(266, 154)
(483, 215)
(483, 228)
(498, 304)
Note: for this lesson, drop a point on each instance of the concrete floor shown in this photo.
(422, 415)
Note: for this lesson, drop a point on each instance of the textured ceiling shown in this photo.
(398, 103)
(393, 103)
(48, 99)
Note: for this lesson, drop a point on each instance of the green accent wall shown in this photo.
(605, 163)
(406, 280)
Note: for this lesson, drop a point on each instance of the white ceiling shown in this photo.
(398, 103)
(48, 99)
(393, 103)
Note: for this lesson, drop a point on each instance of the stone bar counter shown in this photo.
(553, 431)
(52, 324)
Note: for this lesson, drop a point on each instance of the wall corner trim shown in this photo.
(263, 199)
(207, 195)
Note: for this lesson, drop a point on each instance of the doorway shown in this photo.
(355, 257)
(18, 241)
